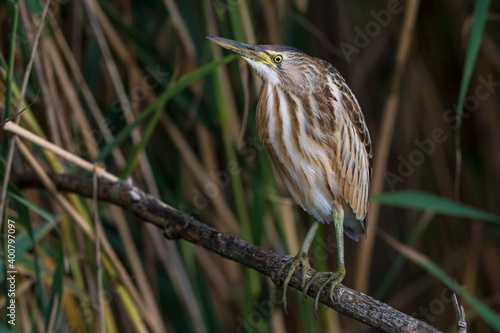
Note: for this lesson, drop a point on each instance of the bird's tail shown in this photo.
(354, 227)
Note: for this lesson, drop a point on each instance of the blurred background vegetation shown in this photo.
(136, 86)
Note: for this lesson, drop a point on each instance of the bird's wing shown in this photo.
(351, 142)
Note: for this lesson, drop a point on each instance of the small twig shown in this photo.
(177, 225)
(460, 316)
(14, 117)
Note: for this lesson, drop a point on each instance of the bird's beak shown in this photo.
(254, 53)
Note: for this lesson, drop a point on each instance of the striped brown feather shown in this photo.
(352, 160)
(351, 107)
(318, 135)
(269, 101)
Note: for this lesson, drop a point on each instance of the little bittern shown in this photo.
(316, 137)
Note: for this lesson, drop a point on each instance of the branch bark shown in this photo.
(177, 225)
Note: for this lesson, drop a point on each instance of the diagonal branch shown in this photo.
(177, 225)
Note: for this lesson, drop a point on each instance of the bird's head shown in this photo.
(280, 65)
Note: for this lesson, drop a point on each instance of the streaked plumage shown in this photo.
(315, 135)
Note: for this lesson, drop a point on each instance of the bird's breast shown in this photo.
(298, 154)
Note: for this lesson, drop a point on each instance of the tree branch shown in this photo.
(177, 225)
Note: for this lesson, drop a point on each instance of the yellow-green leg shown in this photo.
(338, 274)
(300, 259)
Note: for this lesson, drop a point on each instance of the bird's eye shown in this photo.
(278, 58)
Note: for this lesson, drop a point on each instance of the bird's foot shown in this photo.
(334, 278)
(292, 264)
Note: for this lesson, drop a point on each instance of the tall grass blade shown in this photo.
(476, 34)
(56, 290)
(426, 201)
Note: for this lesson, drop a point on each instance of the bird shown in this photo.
(317, 140)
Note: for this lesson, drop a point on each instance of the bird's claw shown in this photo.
(300, 259)
(334, 278)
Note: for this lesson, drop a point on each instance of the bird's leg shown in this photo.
(300, 259)
(338, 274)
